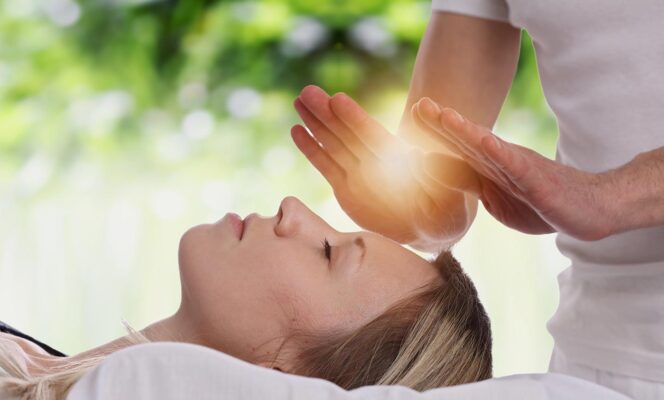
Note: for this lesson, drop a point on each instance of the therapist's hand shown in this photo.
(378, 178)
(519, 187)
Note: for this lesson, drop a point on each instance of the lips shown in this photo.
(237, 223)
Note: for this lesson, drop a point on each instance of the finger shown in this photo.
(435, 118)
(453, 173)
(317, 102)
(471, 155)
(330, 170)
(509, 160)
(366, 131)
(428, 130)
(335, 148)
(431, 114)
(466, 133)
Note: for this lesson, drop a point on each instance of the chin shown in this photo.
(191, 246)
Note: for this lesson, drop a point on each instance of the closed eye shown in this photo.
(327, 249)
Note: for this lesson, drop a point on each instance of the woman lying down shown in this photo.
(291, 293)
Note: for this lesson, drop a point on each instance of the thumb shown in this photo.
(453, 173)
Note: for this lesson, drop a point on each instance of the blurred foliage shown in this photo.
(125, 122)
(109, 76)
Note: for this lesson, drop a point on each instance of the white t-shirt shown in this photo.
(601, 64)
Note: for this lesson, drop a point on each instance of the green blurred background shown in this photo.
(125, 122)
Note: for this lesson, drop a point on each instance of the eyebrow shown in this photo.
(358, 241)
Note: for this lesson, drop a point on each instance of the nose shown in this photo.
(296, 218)
(288, 205)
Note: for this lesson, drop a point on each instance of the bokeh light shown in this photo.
(124, 123)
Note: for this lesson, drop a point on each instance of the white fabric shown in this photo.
(601, 65)
(169, 370)
(636, 387)
(601, 69)
(495, 10)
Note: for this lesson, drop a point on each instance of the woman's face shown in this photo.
(247, 285)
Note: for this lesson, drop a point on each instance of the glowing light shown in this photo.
(396, 167)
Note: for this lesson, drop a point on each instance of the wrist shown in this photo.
(613, 200)
(446, 240)
(631, 195)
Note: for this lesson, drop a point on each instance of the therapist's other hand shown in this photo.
(378, 178)
(521, 188)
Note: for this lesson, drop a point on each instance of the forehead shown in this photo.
(353, 294)
(394, 265)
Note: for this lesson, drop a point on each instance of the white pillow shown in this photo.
(171, 370)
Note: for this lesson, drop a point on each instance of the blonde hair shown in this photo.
(440, 336)
(55, 385)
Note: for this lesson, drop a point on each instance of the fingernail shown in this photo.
(340, 95)
(429, 106)
(431, 103)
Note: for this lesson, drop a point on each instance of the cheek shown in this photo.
(323, 306)
(189, 254)
(305, 292)
(198, 259)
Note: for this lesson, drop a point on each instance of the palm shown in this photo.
(397, 204)
(519, 187)
(377, 178)
(511, 211)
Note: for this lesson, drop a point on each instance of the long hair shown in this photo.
(440, 336)
(21, 385)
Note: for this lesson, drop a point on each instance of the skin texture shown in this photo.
(370, 169)
(531, 193)
(243, 297)
(464, 62)
(466, 65)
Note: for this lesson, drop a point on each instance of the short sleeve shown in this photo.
(490, 9)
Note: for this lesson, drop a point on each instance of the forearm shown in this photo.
(634, 193)
(465, 63)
